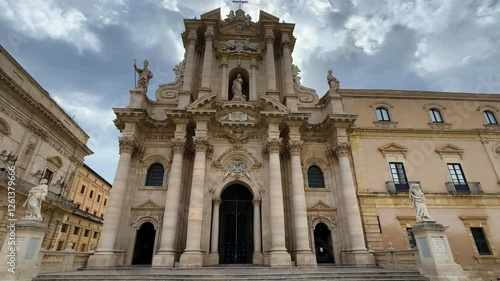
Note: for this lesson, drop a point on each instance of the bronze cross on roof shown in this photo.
(240, 2)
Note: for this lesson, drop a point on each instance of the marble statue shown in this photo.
(231, 16)
(145, 75)
(33, 203)
(333, 83)
(418, 201)
(237, 89)
(179, 71)
(295, 74)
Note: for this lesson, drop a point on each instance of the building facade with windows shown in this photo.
(237, 162)
(82, 230)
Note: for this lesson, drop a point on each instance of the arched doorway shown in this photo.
(323, 244)
(144, 244)
(236, 225)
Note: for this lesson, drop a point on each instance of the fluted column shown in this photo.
(207, 59)
(253, 79)
(270, 67)
(278, 253)
(215, 226)
(113, 214)
(192, 256)
(303, 251)
(166, 254)
(223, 79)
(189, 68)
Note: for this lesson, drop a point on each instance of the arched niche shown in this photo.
(246, 82)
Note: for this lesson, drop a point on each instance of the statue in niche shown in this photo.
(145, 75)
(333, 83)
(237, 89)
(33, 203)
(418, 201)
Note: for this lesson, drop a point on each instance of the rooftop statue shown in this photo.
(33, 203)
(145, 75)
(418, 201)
(333, 83)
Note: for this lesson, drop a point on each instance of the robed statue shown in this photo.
(33, 203)
(333, 83)
(145, 75)
(237, 89)
(418, 201)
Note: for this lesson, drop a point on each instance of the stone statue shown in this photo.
(145, 75)
(237, 89)
(179, 71)
(333, 83)
(248, 20)
(33, 203)
(231, 16)
(295, 74)
(418, 201)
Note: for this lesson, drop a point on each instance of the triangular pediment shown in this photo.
(450, 149)
(212, 15)
(270, 105)
(263, 16)
(321, 206)
(148, 204)
(393, 148)
(202, 104)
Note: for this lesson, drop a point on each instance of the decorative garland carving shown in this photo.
(201, 144)
(235, 150)
(178, 145)
(236, 167)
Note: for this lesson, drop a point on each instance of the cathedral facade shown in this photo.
(236, 162)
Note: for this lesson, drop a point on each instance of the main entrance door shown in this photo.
(144, 243)
(323, 244)
(236, 225)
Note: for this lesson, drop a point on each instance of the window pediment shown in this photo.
(450, 149)
(148, 204)
(321, 207)
(393, 148)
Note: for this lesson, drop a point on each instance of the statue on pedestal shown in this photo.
(333, 83)
(418, 201)
(237, 89)
(33, 203)
(145, 75)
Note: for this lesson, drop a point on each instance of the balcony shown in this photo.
(465, 188)
(393, 187)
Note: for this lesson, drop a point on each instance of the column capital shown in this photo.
(201, 144)
(296, 147)
(285, 41)
(209, 35)
(192, 39)
(341, 149)
(216, 201)
(256, 201)
(223, 62)
(269, 37)
(272, 145)
(178, 145)
(127, 144)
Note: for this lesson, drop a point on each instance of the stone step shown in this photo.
(235, 273)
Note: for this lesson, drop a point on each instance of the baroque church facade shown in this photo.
(236, 162)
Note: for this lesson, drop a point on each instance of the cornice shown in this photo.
(402, 94)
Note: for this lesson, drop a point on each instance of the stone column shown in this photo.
(189, 67)
(213, 257)
(192, 256)
(257, 238)
(358, 254)
(278, 256)
(304, 255)
(166, 254)
(207, 62)
(223, 79)
(270, 67)
(105, 254)
(253, 79)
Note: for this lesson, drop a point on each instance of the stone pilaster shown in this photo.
(278, 256)
(207, 63)
(166, 254)
(304, 254)
(189, 68)
(105, 254)
(253, 79)
(223, 79)
(192, 256)
(213, 258)
(357, 254)
(257, 235)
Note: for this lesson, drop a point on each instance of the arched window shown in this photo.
(154, 176)
(382, 114)
(435, 116)
(490, 118)
(315, 177)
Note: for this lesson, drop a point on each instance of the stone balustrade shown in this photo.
(62, 261)
(397, 259)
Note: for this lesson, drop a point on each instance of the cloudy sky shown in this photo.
(82, 52)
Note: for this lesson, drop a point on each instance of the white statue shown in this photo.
(145, 75)
(33, 203)
(237, 89)
(418, 201)
(333, 83)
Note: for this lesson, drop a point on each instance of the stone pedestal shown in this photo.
(22, 264)
(138, 98)
(436, 258)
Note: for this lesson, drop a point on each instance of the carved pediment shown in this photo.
(238, 152)
(148, 204)
(263, 16)
(270, 106)
(450, 149)
(393, 148)
(321, 207)
(212, 15)
(205, 103)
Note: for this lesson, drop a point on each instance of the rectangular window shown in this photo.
(458, 177)
(82, 248)
(105, 201)
(48, 175)
(86, 233)
(76, 230)
(382, 114)
(411, 237)
(435, 116)
(64, 228)
(399, 176)
(96, 234)
(480, 240)
(91, 194)
(87, 209)
(82, 190)
(98, 198)
(60, 245)
(95, 213)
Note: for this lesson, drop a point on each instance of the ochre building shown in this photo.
(236, 162)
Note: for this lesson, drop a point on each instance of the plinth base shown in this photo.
(257, 258)
(359, 258)
(213, 259)
(191, 260)
(105, 259)
(280, 259)
(163, 260)
(305, 259)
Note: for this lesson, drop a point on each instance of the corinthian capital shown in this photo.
(295, 147)
(178, 145)
(127, 144)
(209, 35)
(341, 149)
(201, 144)
(273, 145)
